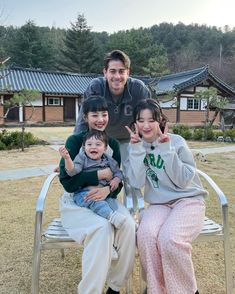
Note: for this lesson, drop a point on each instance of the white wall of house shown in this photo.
(183, 104)
(37, 102)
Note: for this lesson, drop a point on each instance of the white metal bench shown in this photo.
(219, 232)
(56, 237)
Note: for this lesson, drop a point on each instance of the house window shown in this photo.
(193, 104)
(53, 101)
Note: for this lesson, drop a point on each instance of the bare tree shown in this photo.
(213, 102)
(24, 98)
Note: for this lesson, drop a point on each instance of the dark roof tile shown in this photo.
(16, 79)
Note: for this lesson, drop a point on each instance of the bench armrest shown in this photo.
(38, 215)
(222, 198)
(223, 202)
(43, 192)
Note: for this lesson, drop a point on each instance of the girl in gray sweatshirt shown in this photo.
(162, 164)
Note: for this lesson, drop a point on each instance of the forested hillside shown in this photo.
(157, 50)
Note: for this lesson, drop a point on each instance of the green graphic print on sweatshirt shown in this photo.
(150, 160)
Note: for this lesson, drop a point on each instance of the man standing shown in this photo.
(122, 94)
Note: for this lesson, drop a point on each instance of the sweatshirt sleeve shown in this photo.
(114, 145)
(179, 163)
(139, 89)
(78, 163)
(83, 179)
(134, 165)
(115, 168)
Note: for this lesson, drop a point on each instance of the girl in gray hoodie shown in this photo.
(163, 165)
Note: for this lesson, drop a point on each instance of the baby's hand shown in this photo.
(64, 152)
(114, 183)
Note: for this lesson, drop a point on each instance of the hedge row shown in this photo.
(13, 140)
(198, 134)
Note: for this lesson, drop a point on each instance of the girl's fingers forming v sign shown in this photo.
(163, 137)
(134, 136)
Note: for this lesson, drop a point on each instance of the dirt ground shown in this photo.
(17, 206)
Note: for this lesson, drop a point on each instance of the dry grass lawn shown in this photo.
(17, 206)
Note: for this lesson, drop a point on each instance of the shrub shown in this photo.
(198, 134)
(7, 139)
(178, 129)
(11, 140)
(230, 133)
(186, 134)
(219, 134)
(2, 146)
(210, 134)
(183, 131)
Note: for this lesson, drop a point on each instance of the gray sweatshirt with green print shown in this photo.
(167, 171)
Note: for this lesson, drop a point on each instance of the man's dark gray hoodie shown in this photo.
(120, 114)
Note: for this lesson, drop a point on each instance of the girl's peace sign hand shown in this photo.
(162, 136)
(134, 136)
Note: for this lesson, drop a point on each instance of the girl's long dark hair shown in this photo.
(155, 108)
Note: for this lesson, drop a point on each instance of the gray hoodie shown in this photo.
(120, 114)
(82, 162)
(167, 171)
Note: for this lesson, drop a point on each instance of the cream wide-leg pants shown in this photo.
(98, 237)
(164, 240)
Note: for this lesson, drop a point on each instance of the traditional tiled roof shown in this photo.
(60, 83)
(183, 80)
(16, 79)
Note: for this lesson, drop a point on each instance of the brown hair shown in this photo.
(117, 55)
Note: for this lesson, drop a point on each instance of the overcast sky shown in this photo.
(112, 16)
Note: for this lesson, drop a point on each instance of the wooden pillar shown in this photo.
(178, 109)
(43, 108)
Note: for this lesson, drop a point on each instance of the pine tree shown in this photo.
(31, 49)
(80, 49)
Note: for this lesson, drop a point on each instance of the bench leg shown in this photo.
(35, 275)
(36, 256)
(228, 265)
(128, 198)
